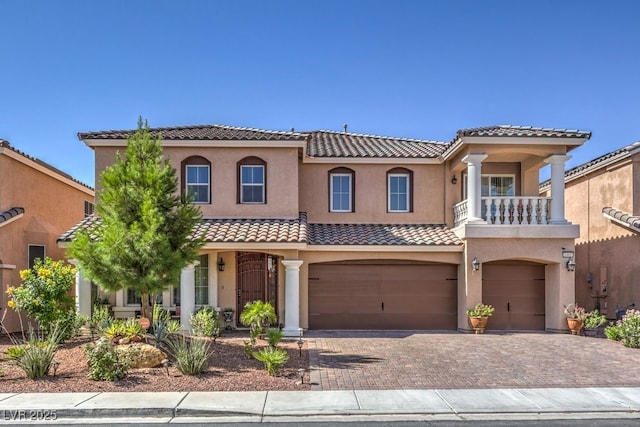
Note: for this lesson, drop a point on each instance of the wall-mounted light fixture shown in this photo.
(475, 264)
(454, 180)
(221, 264)
(571, 263)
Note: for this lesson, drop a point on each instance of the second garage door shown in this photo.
(371, 295)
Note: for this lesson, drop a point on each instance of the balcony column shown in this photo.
(291, 297)
(557, 163)
(474, 186)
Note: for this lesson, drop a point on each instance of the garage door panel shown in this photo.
(517, 292)
(393, 296)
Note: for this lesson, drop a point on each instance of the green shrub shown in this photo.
(272, 358)
(257, 315)
(613, 332)
(100, 319)
(191, 355)
(133, 329)
(116, 329)
(594, 319)
(205, 322)
(44, 293)
(247, 348)
(274, 336)
(34, 357)
(105, 362)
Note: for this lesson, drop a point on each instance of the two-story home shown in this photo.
(37, 203)
(348, 231)
(603, 196)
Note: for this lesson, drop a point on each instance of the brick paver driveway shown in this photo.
(345, 360)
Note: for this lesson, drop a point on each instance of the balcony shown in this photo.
(503, 210)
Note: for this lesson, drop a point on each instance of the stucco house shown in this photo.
(38, 202)
(603, 196)
(350, 231)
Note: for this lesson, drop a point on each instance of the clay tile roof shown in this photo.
(340, 144)
(10, 213)
(382, 234)
(632, 221)
(522, 131)
(203, 132)
(254, 230)
(230, 230)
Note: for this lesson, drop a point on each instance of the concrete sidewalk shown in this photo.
(411, 405)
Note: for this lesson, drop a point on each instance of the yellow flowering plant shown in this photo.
(44, 293)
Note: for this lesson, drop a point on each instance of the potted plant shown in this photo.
(592, 321)
(575, 317)
(479, 316)
(227, 312)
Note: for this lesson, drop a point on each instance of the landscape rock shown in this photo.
(143, 355)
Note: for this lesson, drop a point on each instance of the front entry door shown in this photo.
(257, 279)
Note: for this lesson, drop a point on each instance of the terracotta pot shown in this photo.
(575, 325)
(479, 323)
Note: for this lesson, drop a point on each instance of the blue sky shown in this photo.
(418, 69)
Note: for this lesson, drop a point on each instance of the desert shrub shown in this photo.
(99, 319)
(272, 358)
(630, 329)
(133, 329)
(34, 357)
(44, 294)
(205, 322)
(115, 329)
(105, 362)
(257, 315)
(191, 355)
(247, 348)
(613, 332)
(274, 336)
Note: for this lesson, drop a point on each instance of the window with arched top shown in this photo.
(399, 190)
(342, 190)
(196, 178)
(252, 181)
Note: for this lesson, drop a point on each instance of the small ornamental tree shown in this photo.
(44, 293)
(143, 239)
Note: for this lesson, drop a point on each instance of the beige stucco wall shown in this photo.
(52, 204)
(281, 190)
(605, 249)
(371, 194)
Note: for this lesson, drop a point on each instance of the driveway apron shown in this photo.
(381, 360)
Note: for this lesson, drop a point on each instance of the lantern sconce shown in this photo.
(454, 180)
(221, 264)
(569, 255)
(571, 264)
(475, 264)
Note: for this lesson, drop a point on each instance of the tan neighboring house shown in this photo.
(37, 203)
(603, 196)
(349, 231)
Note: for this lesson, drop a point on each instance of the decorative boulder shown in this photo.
(143, 355)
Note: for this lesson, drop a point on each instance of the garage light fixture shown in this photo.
(571, 264)
(475, 264)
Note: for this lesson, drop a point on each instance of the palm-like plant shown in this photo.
(257, 315)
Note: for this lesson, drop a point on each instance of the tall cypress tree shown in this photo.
(142, 241)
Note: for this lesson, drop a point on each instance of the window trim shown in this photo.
(251, 161)
(195, 161)
(400, 172)
(44, 254)
(342, 171)
(204, 273)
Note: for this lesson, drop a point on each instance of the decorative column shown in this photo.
(213, 280)
(187, 296)
(291, 297)
(474, 186)
(83, 291)
(557, 163)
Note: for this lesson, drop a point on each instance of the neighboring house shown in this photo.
(37, 203)
(603, 196)
(348, 231)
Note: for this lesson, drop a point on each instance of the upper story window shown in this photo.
(498, 185)
(252, 181)
(341, 194)
(196, 178)
(35, 252)
(399, 188)
(89, 208)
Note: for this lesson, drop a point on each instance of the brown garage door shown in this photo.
(372, 295)
(516, 290)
